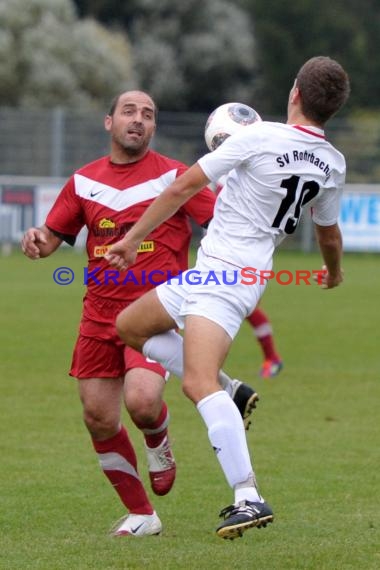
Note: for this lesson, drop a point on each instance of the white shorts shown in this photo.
(212, 289)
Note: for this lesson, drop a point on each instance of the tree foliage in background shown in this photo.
(194, 54)
(113, 13)
(251, 48)
(288, 33)
(49, 57)
(189, 55)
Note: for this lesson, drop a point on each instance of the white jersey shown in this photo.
(274, 170)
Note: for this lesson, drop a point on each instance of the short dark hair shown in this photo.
(115, 101)
(113, 104)
(324, 87)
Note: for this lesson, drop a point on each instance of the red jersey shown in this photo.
(108, 199)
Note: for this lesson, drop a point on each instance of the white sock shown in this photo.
(167, 348)
(226, 382)
(227, 436)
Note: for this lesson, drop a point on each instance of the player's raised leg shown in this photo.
(145, 325)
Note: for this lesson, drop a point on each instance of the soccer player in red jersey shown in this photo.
(107, 197)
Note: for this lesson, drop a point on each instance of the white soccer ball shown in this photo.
(227, 120)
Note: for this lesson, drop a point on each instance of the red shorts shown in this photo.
(99, 353)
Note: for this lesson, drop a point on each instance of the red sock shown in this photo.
(263, 331)
(118, 460)
(155, 432)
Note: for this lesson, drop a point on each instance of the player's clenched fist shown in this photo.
(122, 254)
(31, 242)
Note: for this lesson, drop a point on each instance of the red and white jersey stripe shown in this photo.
(108, 199)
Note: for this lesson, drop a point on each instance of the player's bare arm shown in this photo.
(123, 253)
(39, 242)
(330, 243)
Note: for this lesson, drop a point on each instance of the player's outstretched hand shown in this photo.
(31, 241)
(122, 254)
(327, 281)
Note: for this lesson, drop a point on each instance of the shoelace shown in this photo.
(164, 456)
(227, 511)
(234, 509)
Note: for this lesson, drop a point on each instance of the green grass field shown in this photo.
(315, 442)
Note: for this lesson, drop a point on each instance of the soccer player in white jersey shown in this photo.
(274, 170)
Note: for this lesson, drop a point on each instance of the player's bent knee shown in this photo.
(125, 331)
(145, 416)
(144, 410)
(121, 324)
(99, 426)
